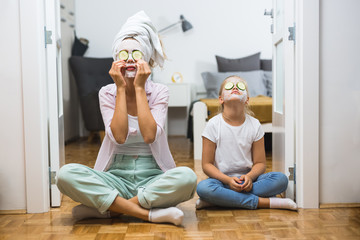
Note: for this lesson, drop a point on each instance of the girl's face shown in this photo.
(234, 89)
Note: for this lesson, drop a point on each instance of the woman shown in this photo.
(134, 173)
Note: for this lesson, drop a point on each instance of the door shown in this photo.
(54, 86)
(283, 137)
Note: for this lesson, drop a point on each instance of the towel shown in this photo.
(140, 27)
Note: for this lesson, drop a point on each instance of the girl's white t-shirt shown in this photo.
(233, 143)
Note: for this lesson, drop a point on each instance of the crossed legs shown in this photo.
(100, 193)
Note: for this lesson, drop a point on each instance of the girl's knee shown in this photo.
(201, 188)
(206, 187)
(282, 180)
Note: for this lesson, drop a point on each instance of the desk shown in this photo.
(179, 96)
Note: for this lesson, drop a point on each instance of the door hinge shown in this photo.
(48, 35)
(292, 33)
(292, 171)
(269, 13)
(53, 177)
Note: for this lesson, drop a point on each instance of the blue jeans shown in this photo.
(266, 185)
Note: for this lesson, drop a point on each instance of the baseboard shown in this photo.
(10, 212)
(339, 205)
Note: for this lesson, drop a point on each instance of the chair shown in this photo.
(91, 74)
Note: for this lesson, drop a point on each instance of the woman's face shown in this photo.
(235, 93)
(130, 45)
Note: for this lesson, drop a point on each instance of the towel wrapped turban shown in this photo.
(140, 27)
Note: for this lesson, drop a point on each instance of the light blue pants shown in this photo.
(128, 176)
(266, 185)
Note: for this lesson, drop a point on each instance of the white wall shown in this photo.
(339, 101)
(232, 28)
(12, 168)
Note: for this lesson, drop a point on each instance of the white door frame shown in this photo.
(35, 109)
(307, 102)
(283, 147)
(33, 70)
(54, 96)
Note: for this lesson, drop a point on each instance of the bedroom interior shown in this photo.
(258, 74)
(207, 48)
(225, 40)
(201, 43)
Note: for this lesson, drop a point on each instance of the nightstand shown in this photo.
(179, 97)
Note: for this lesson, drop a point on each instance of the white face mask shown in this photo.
(130, 45)
(235, 93)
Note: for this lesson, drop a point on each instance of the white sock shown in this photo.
(285, 203)
(170, 215)
(202, 204)
(81, 211)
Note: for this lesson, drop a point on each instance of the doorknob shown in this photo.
(269, 13)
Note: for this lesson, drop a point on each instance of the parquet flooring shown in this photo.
(215, 223)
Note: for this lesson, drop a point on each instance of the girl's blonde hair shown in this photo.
(247, 107)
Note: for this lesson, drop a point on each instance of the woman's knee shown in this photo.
(176, 186)
(67, 174)
(186, 176)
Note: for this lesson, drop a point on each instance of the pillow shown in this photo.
(268, 82)
(266, 64)
(254, 79)
(248, 63)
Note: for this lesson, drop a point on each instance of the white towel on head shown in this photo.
(140, 27)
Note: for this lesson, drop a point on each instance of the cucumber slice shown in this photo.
(229, 86)
(137, 55)
(241, 86)
(123, 55)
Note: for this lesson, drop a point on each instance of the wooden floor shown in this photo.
(338, 223)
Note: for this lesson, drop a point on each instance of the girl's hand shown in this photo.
(247, 183)
(235, 184)
(143, 71)
(117, 73)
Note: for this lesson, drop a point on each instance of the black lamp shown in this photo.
(185, 25)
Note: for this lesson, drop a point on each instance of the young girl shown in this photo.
(234, 157)
(134, 173)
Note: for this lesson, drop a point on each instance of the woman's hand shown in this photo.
(143, 71)
(235, 184)
(117, 73)
(247, 183)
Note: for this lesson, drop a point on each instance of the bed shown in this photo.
(258, 75)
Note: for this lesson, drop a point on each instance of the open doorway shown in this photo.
(216, 48)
